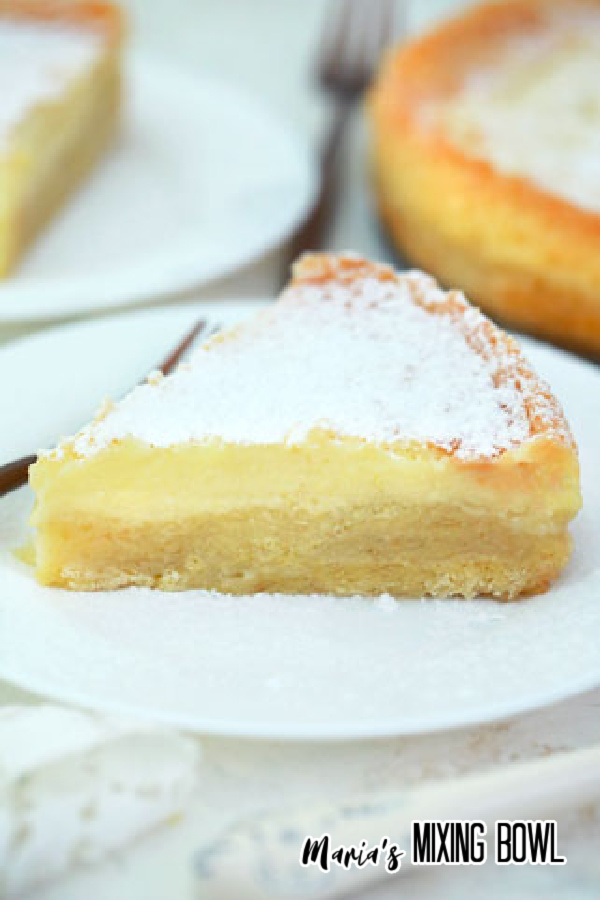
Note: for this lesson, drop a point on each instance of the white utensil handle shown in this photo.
(75, 787)
(261, 858)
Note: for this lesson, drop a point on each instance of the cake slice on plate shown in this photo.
(367, 433)
(59, 105)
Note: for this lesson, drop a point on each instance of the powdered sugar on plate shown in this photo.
(351, 349)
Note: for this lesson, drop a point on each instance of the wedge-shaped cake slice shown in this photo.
(59, 107)
(368, 433)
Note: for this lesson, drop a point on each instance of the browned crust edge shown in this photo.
(428, 69)
(545, 415)
(98, 14)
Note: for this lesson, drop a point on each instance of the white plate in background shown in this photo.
(280, 667)
(203, 179)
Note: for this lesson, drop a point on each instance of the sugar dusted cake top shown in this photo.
(37, 61)
(508, 107)
(356, 350)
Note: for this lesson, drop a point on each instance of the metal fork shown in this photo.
(355, 34)
(14, 474)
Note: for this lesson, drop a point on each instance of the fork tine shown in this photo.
(369, 30)
(341, 42)
(354, 35)
(168, 364)
(390, 20)
(345, 65)
(362, 49)
(381, 27)
(332, 34)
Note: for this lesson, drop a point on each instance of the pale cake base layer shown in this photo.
(52, 152)
(329, 517)
(368, 551)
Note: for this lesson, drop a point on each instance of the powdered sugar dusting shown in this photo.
(353, 350)
(37, 61)
(507, 113)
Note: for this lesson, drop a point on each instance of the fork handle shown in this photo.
(13, 475)
(311, 234)
(259, 859)
(344, 105)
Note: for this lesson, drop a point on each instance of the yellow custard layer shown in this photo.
(328, 515)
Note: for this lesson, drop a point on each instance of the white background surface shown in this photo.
(267, 44)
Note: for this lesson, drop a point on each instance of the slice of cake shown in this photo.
(368, 433)
(59, 105)
(486, 151)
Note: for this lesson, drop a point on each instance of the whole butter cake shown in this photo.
(59, 106)
(486, 145)
(367, 434)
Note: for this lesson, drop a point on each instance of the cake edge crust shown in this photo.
(467, 203)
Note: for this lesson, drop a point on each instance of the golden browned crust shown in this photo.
(527, 257)
(98, 14)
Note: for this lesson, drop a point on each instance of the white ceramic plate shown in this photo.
(203, 180)
(307, 667)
